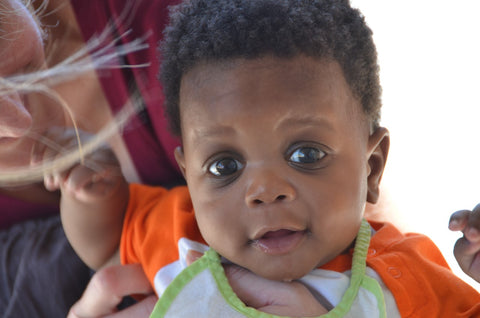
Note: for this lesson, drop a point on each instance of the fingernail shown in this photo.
(453, 224)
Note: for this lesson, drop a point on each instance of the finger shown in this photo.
(464, 248)
(86, 184)
(192, 256)
(465, 253)
(60, 177)
(249, 287)
(472, 229)
(81, 177)
(458, 220)
(273, 297)
(53, 180)
(141, 309)
(107, 288)
(49, 182)
(56, 179)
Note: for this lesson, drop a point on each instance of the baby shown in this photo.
(277, 105)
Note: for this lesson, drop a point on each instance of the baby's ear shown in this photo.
(180, 158)
(378, 145)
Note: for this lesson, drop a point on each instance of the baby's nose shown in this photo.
(269, 187)
(15, 120)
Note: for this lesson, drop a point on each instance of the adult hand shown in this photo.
(106, 290)
(279, 298)
(291, 299)
(109, 285)
(467, 248)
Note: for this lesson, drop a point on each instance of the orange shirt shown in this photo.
(410, 265)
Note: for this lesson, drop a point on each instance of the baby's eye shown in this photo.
(306, 156)
(225, 167)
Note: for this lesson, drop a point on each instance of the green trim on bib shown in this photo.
(211, 261)
(372, 286)
(218, 273)
(358, 272)
(180, 281)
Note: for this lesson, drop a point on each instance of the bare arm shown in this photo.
(94, 199)
(94, 227)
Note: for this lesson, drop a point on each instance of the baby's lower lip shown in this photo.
(279, 242)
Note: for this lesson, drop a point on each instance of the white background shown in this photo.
(429, 56)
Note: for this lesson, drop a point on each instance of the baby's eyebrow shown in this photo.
(202, 133)
(294, 121)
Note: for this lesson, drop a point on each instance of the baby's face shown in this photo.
(276, 156)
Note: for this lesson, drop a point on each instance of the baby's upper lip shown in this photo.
(263, 231)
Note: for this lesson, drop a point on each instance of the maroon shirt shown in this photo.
(150, 144)
(14, 210)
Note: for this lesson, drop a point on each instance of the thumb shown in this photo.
(249, 287)
(463, 253)
(467, 254)
(192, 256)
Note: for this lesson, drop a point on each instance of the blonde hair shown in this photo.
(97, 54)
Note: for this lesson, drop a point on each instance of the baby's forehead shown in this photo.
(301, 84)
(207, 73)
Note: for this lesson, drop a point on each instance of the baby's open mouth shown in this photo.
(279, 242)
(278, 233)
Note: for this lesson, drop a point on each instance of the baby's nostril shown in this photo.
(281, 197)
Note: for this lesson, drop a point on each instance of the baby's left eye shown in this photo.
(306, 155)
(225, 167)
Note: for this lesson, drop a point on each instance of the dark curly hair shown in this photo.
(214, 30)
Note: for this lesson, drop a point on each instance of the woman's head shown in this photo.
(29, 103)
(21, 52)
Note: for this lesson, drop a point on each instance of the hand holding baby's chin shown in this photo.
(291, 299)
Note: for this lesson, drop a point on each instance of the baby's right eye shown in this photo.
(225, 167)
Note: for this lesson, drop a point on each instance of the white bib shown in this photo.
(202, 291)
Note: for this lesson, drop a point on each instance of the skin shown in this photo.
(467, 248)
(257, 116)
(84, 95)
(22, 51)
(276, 228)
(23, 116)
(108, 286)
(20, 115)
